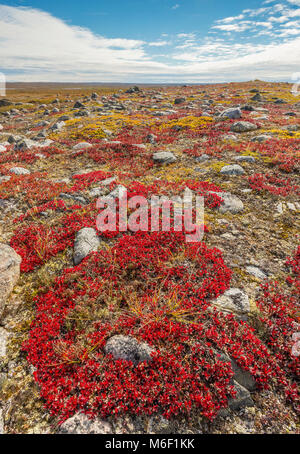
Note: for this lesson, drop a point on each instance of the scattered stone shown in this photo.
(128, 348)
(81, 424)
(1, 415)
(261, 138)
(179, 101)
(58, 126)
(86, 241)
(9, 272)
(78, 105)
(82, 146)
(243, 126)
(245, 159)
(204, 157)
(230, 203)
(24, 144)
(233, 169)
(19, 171)
(233, 113)
(256, 272)
(234, 301)
(164, 157)
(242, 399)
(3, 342)
(257, 97)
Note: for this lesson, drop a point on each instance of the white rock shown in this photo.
(256, 272)
(19, 171)
(82, 146)
(233, 169)
(86, 241)
(233, 300)
(243, 126)
(3, 342)
(164, 157)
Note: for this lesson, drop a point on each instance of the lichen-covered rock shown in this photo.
(245, 159)
(164, 157)
(234, 301)
(230, 203)
(9, 272)
(86, 241)
(243, 126)
(3, 342)
(242, 399)
(233, 169)
(128, 348)
(256, 272)
(19, 171)
(81, 424)
(232, 113)
(82, 146)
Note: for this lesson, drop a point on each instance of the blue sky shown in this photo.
(149, 40)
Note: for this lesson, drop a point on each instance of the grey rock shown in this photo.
(82, 146)
(78, 105)
(151, 138)
(179, 101)
(232, 113)
(243, 126)
(3, 341)
(242, 399)
(245, 159)
(128, 348)
(58, 126)
(81, 424)
(256, 272)
(1, 419)
(9, 272)
(234, 301)
(19, 171)
(24, 144)
(261, 138)
(86, 241)
(257, 97)
(164, 157)
(202, 158)
(230, 203)
(233, 169)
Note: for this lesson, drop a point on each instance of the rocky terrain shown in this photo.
(142, 332)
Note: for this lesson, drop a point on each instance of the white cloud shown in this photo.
(36, 46)
(175, 6)
(241, 27)
(159, 43)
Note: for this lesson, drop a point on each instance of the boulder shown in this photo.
(81, 424)
(242, 399)
(128, 348)
(82, 146)
(233, 301)
(233, 169)
(164, 157)
(9, 272)
(3, 341)
(233, 113)
(245, 159)
(256, 272)
(230, 203)
(86, 241)
(243, 126)
(19, 171)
